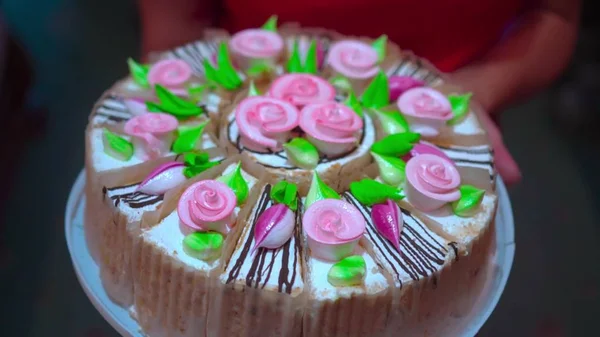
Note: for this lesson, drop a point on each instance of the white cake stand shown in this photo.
(88, 272)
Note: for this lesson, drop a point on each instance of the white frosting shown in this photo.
(111, 110)
(464, 229)
(212, 102)
(168, 235)
(279, 159)
(103, 162)
(195, 53)
(408, 67)
(123, 206)
(410, 263)
(269, 281)
(469, 126)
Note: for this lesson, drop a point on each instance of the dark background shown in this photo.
(68, 51)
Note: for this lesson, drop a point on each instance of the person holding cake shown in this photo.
(478, 42)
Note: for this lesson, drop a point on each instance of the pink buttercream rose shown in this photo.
(427, 110)
(171, 73)
(423, 147)
(332, 127)
(353, 59)
(152, 134)
(207, 205)
(255, 44)
(431, 182)
(302, 89)
(265, 122)
(333, 228)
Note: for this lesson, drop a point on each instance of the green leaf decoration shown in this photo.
(271, 24)
(285, 193)
(391, 169)
(252, 91)
(341, 82)
(379, 45)
(302, 153)
(310, 63)
(258, 68)
(173, 104)
(460, 107)
(370, 192)
(319, 191)
(237, 183)
(349, 271)
(205, 246)
(225, 74)
(196, 163)
(188, 138)
(396, 145)
(139, 73)
(117, 146)
(470, 199)
(353, 103)
(294, 64)
(377, 94)
(391, 121)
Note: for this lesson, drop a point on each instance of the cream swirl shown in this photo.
(333, 228)
(353, 59)
(332, 127)
(427, 110)
(255, 44)
(207, 206)
(431, 182)
(265, 122)
(152, 133)
(302, 89)
(171, 73)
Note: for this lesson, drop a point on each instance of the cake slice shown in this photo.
(265, 282)
(173, 263)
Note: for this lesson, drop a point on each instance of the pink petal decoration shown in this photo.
(274, 227)
(425, 148)
(163, 178)
(399, 84)
(388, 221)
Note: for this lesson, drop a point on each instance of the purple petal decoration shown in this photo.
(320, 54)
(388, 221)
(163, 178)
(425, 148)
(399, 84)
(274, 227)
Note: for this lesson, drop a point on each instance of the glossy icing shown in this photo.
(353, 59)
(431, 182)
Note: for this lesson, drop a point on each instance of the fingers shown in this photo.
(505, 164)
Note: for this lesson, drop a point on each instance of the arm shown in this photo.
(532, 56)
(169, 23)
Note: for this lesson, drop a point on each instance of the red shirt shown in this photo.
(449, 33)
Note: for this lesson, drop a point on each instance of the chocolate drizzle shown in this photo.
(420, 254)
(262, 266)
(129, 196)
(323, 159)
(413, 67)
(112, 110)
(454, 153)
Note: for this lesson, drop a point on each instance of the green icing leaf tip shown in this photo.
(302, 153)
(117, 146)
(196, 163)
(188, 138)
(341, 82)
(377, 93)
(173, 104)
(391, 121)
(349, 271)
(252, 91)
(396, 145)
(353, 103)
(319, 191)
(470, 199)
(460, 107)
(139, 72)
(225, 74)
(380, 47)
(309, 66)
(285, 193)
(370, 192)
(235, 180)
(391, 169)
(271, 24)
(205, 246)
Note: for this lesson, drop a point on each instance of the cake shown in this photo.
(289, 181)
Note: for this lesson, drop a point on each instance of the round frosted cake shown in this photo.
(287, 181)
